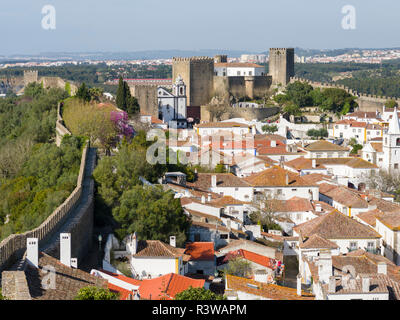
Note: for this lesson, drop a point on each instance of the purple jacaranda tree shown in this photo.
(121, 121)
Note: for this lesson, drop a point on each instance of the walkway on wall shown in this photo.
(73, 217)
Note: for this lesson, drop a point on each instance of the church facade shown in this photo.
(172, 106)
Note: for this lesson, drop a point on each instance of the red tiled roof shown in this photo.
(200, 250)
(248, 255)
(167, 286)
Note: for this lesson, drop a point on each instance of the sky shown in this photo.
(249, 25)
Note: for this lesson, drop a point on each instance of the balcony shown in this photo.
(373, 250)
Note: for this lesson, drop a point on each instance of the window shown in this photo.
(236, 189)
(294, 190)
(354, 130)
(238, 73)
(397, 142)
(279, 191)
(250, 73)
(197, 237)
(370, 245)
(353, 245)
(396, 166)
(224, 236)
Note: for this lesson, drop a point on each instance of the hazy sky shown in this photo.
(250, 25)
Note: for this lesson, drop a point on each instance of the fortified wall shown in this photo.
(366, 102)
(146, 95)
(246, 113)
(243, 86)
(74, 215)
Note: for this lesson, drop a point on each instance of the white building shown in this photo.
(153, 258)
(391, 145)
(172, 106)
(238, 69)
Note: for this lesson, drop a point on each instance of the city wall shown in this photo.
(13, 247)
(246, 113)
(366, 102)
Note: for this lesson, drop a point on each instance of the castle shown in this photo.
(206, 77)
(47, 82)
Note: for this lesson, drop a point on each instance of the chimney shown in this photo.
(314, 163)
(65, 249)
(382, 268)
(172, 241)
(299, 285)
(318, 207)
(273, 143)
(366, 282)
(253, 130)
(287, 179)
(203, 199)
(213, 181)
(325, 265)
(32, 251)
(209, 197)
(74, 263)
(332, 285)
(133, 244)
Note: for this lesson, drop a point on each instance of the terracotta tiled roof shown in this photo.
(224, 180)
(247, 255)
(378, 146)
(357, 163)
(370, 216)
(294, 204)
(323, 145)
(207, 217)
(343, 195)
(166, 287)
(227, 200)
(376, 286)
(335, 225)
(317, 242)
(363, 114)
(384, 205)
(303, 163)
(156, 248)
(275, 137)
(390, 220)
(200, 250)
(275, 176)
(314, 178)
(68, 281)
(269, 291)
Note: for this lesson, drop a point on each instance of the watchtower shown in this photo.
(198, 75)
(30, 76)
(281, 65)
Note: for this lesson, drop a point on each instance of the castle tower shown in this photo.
(221, 58)
(281, 65)
(198, 75)
(391, 144)
(30, 76)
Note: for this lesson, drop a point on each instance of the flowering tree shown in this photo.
(120, 120)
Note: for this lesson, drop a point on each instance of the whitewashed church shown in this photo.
(172, 106)
(386, 154)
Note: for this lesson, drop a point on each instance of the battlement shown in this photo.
(191, 59)
(281, 49)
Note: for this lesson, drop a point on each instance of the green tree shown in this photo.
(239, 267)
(68, 88)
(299, 93)
(220, 168)
(83, 93)
(198, 294)
(292, 109)
(152, 213)
(33, 90)
(270, 128)
(356, 148)
(95, 293)
(391, 103)
(317, 133)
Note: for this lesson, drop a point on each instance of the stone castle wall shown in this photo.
(243, 86)
(147, 98)
(246, 113)
(366, 102)
(13, 247)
